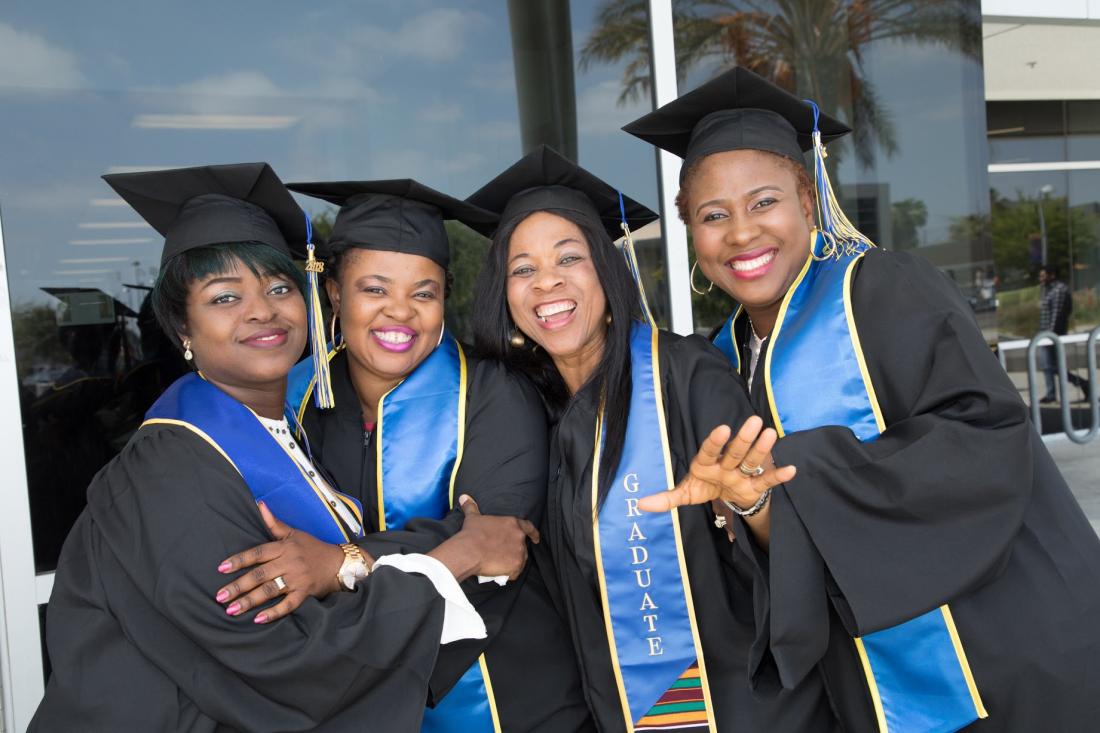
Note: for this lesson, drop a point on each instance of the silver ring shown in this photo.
(751, 471)
(279, 582)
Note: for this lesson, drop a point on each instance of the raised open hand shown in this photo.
(738, 474)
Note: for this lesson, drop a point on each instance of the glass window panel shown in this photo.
(327, 90)
(914, 175)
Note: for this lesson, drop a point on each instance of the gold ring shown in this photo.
(279, 582)
(751, 471)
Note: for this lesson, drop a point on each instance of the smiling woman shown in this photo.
(134, 610)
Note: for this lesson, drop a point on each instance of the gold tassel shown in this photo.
(840, 235)
(632, 263)
(322, 392)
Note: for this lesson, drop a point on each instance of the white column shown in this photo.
(20, 645)
(664, 90)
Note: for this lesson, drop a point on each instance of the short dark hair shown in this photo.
(169, 295)
(1049, 269)
(493, 328)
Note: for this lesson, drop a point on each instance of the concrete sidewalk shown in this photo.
(1080, 464)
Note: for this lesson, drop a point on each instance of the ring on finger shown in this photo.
(750, 471)
(279, 582)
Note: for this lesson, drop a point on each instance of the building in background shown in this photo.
(977, 146)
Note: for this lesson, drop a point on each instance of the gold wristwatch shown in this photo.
(354, 567)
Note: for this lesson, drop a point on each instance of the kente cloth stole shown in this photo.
(268, 468)
(816, 375)
(646, 594)
(418, 441)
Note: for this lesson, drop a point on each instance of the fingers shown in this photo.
(530, 530)
(283, 608)
(277, 529)
(665, 501)
(761, 452)
(741, 444)
(711, 449)
(257, 596)
(250, 557)
(776, 476)
(468, 505)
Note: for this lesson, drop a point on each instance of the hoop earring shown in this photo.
(691, 281)
(442, 330)
(332, 329)
(187, 353)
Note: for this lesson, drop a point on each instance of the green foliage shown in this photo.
(815, 48)
(907, 216)
(468, 252)
(36, 340)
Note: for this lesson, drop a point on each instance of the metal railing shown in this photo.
(1058, 342)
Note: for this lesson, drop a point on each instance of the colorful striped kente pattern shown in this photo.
(682, 707)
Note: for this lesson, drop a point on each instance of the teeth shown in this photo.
(394, 337)
(551, 309)
(754, 263)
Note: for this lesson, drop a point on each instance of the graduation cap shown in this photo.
(737, 110)
(400, 215)
(89, 305)
(215, 204)
(546, 180)
(224, 204)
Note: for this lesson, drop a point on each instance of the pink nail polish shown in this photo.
(223, 596)
(261, 618)
(234, 609)
(225, 567)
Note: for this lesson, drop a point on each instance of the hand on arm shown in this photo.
(486, 545)
(716, 473)
(307, 566)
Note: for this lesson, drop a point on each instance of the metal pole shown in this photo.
(664, 90)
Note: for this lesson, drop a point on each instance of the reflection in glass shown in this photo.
(905, 75)
(447, 93)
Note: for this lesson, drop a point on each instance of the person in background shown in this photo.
(1055, 308)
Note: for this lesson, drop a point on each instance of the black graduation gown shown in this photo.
(530, 661)
(137, 641)
(701, 391)
(957, 502)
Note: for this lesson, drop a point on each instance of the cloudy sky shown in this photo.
(324, 90)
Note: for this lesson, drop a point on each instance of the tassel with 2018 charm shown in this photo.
(322, 393)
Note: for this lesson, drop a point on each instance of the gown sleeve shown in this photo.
(160, 520)
(889, 529)
(503, 468)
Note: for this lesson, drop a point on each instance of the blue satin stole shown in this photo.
(418, 438)
(648, 611)
(270, 471)
(816, 375)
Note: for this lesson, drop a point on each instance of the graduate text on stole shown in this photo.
(639, 556)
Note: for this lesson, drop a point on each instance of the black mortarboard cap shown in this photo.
(399, 215)
(737, 110)
(544, 179)
(215, 204)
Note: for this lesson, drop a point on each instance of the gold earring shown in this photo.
(187, 354)
(607, 319)
(442, 330)
(691, 281)
(517, 341)
(332, 330)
